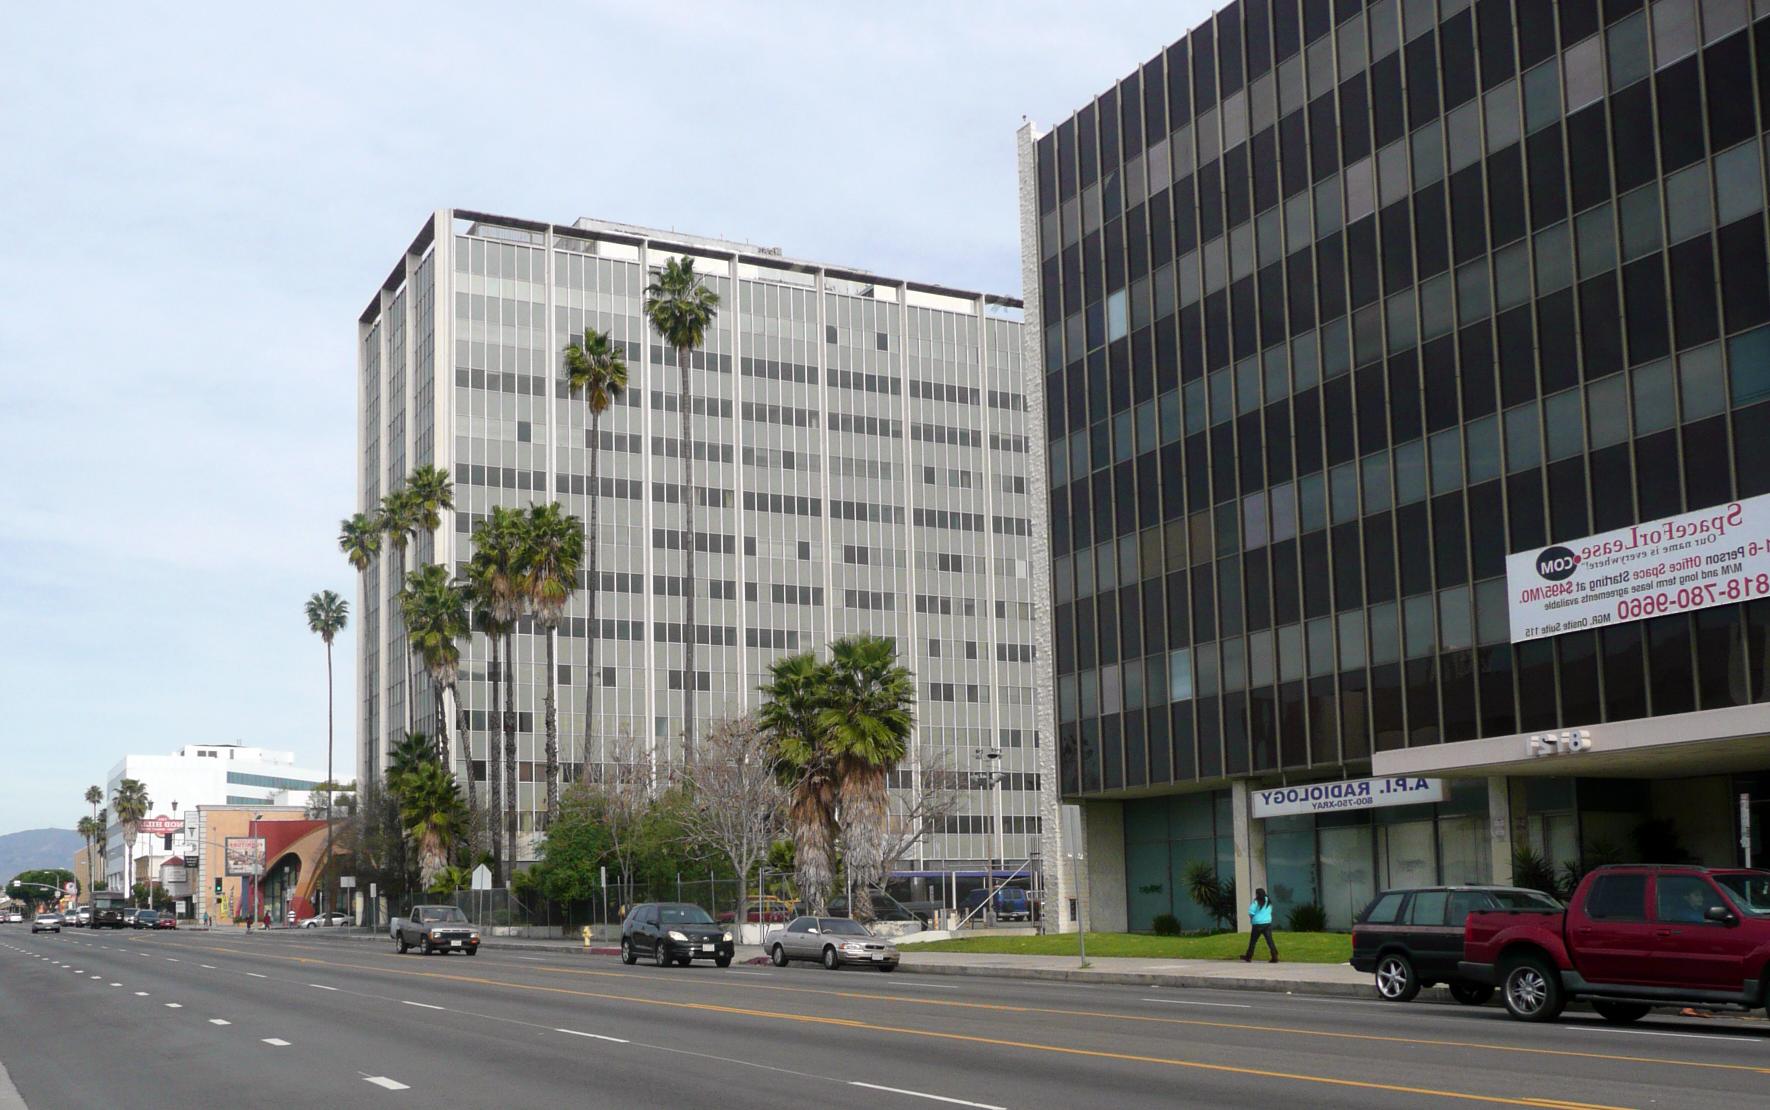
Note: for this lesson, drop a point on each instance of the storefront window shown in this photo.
(1347, 884)
(1290, 861)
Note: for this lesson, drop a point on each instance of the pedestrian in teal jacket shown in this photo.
(1260, 916)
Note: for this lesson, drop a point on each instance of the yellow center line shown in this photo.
(1203, 1023)
(968, 1038)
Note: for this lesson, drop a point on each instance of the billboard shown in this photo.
(243, 855)
(159, 826)
(1715, 556)
(1329, 797)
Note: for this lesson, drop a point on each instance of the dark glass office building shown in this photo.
(1344, 310)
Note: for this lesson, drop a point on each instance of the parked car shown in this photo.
(143, 919)
(832, 941)
(433, 929)
(1411, 939)
(15, 918)
(1632, 937)
(674, 932)
(46, 923)
(768, 909)
(326, 920)
(166, 921)
(1011, 903)
(80, 917)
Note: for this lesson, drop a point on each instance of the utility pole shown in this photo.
(993, 776)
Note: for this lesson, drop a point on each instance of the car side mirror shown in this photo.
(1721, 914)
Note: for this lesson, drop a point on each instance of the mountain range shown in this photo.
(21, 851)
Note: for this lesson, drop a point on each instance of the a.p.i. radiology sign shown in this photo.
(1714, 556)
(1333, 797)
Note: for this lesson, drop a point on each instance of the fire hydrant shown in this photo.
(586, 936)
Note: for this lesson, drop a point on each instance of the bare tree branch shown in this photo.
(623, 791)
(738, 803)
(923, 810)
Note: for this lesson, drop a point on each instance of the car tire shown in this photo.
(778, 957)
(886, 967)
(400, 945)
(832, 962)
(659, 957)
(1621, 1013)
(627, 956)
(473, 951)
(1533, 991)
(1471, 994)
(1396, 979)
(721, 961)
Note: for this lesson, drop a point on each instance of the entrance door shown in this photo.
(1611, 932)
(1689, 949)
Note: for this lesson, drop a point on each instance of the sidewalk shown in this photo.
(1338, 980)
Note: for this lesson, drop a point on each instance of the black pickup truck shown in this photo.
(432, 929)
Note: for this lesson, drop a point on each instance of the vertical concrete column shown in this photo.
(1104, 887)
(1250, 851)
(1499, 826)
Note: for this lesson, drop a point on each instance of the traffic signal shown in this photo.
(218, 886)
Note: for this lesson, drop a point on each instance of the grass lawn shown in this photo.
(1305, 948)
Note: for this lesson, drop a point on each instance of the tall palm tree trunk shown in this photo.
(406, 644)
(591, 675)
(453, 693)
(864, 807)
(552, 733)
(510, 751)
(326, 860)
(688, 542)
(494, 765)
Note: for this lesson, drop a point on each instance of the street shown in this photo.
(94, 1020)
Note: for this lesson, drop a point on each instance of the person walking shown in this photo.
(1260, 916)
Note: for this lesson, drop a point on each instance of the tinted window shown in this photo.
(1618, 898)
(1751, 892)
(841, 926)
(1683, 899)
(1465, 902)
(1525, 900)
(686, 915)
(1384, 910)
(1428, 907)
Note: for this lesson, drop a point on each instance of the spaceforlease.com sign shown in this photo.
(1713, 556)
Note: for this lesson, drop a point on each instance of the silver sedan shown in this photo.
(832, 941)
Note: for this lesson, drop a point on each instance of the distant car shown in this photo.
(885, 908)
(1413, 938)
(79, 917)
(109, 917)
(434, 929)
(15, 918)
(325, 920)
(144, 919)
(46, 923)
(769, 909)
(832, 941)
(1011, 903)
(674, 932)
(166, 921)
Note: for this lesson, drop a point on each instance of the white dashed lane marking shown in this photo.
(219, 1021)
(420, 1005)
(592, 1036)
(383, 1081)
(175, 1005)
(277, 1042)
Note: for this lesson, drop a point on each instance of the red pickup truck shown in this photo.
(1630, 939)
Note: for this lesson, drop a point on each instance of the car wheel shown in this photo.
(659, 957)
(721, 961)
(778, 956)
(886, 967)
(400, 945)
(627, 956)
(1471, 994)
(832, 962)
(1533, 991)
(1621, 1013)
(1396, 980)
(473, 951)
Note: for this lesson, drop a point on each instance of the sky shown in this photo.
(202, 198)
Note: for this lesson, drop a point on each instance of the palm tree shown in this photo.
(102, 841)
(497, 544)
(87, 828)
(434, 611)
(547, 563)
(398, 521)
(94, 797)
(327, 614)
(359, 537)
(409, 753)
(681, 309)
(431, 811)
(597, 370)
(132, 803)
(866, 719)
(482, 592)
(792, 700)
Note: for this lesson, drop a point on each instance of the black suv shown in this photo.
(1414, 938)
(110, 917)
(674, 932)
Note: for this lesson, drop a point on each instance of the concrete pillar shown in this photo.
(1250, 851)
(1104, 887)
(1499, 825)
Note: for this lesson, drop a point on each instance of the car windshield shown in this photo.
(1750, 891)
(843, 927)
(447, 915)
(684, 915)
(1525, 900)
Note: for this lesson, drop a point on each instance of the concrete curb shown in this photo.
(1150, 979)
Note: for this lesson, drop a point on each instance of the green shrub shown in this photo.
(1308, 918)
(1215, 897)
(1166, 925)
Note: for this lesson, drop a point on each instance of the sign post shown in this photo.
(1745, 826)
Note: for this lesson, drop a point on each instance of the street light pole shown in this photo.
(993, 781)
(257, 873)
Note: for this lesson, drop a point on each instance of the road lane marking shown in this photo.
(207, 967)
(174, 1005)
(1188, 1002)
(95, 977)
(383, 1081)
(592, 1036)
(277, 1041)
(1198, 1022)
(925, 1094)
(420, 1005)
(141, 994)
(1658, 1033)
(219, 1021)
(116, 984)
(255, 975)
(171, 959)
(321, 987)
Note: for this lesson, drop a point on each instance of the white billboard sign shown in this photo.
(1333, 797)
(1715, 556)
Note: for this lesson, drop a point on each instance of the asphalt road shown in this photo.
(159, 1019)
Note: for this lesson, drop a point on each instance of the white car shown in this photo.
(46, 923)
(15, 918)
(325, 920)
